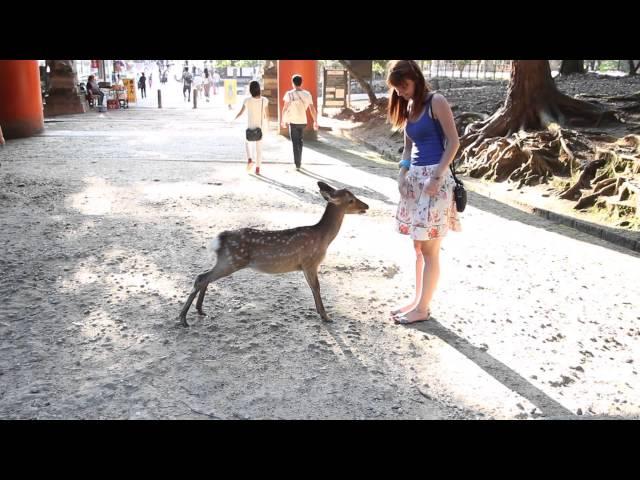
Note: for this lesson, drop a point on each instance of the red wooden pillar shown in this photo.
(21, 112)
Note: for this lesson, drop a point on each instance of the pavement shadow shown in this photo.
(478, 201)
(498, 370)
(358, 191)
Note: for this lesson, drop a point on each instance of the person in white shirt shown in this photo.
(207, 83)
(294, 113)
(216, 80)
(256, 106)
(197, 82)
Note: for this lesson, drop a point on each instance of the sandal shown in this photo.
(249, 165)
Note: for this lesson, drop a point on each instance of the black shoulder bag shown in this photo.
(459, 193)
(255, 134)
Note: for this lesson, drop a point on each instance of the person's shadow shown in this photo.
(298, 193)
(494, 367)
(357, 191)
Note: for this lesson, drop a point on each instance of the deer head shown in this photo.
(343, 199)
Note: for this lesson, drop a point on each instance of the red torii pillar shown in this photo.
(21, 112)
(308, 69)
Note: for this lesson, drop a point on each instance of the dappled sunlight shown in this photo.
(158, 191)
(96, 322)
(126, 273)
(97, 198)
(101, 197)
(114, 212)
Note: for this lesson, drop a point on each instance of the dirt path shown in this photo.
(105, 220)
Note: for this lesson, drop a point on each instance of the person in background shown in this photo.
(294, 113)
(207, 83)
(256, 106)
(92, 86)
(142, 85)
(187, 80)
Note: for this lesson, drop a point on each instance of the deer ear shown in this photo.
(326, 188)
(327, 192)
(327, 196)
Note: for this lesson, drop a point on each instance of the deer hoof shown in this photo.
(326, 319)
(200, 312)
(183, 322)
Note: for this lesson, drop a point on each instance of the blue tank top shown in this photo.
(427, 143)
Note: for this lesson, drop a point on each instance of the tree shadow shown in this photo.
(358, 191)
(498, 370)
(298, 193)
(583, 232)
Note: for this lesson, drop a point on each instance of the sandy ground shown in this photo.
(105, 218)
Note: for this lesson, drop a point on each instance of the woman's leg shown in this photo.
(417, 246)
(431, 275)
(258, 155)
(248, 150)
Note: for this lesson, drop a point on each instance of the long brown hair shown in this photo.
(399, 72)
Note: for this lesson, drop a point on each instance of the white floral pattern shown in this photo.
(425, 217)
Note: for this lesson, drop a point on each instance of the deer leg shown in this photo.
(311, 275)
(203, 290)
(221, 269)
(185, 309)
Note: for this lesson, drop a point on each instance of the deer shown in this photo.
(278, 251)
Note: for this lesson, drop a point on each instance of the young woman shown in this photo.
(427, 209)
(256, 107)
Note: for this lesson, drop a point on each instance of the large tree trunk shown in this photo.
(532, 103)
(633, 68)
(571, 66)
(363, 83)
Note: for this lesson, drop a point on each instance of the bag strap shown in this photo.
(440, 135)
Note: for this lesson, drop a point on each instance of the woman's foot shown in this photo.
(249, 165)
(402, 310)
(413, 316)
(257, 170)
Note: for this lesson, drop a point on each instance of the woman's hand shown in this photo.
(432, 186)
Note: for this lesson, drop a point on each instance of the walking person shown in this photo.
(142, 85)
(187, 79)
(257, 108)
(216, 80)
(207, 83)
(294, 113)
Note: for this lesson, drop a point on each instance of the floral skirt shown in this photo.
(424, 217)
